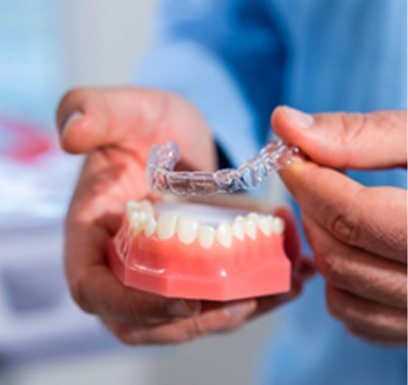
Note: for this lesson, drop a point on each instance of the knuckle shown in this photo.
(197, 328)
(330, 267)
(132, 314)
(344, 227)
(162, 102)
(353, 126)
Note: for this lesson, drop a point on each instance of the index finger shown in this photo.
(373, 219)
(133, 119)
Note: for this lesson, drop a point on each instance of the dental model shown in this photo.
(213, 253)
(162, 177)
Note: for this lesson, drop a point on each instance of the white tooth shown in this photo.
(131, 207)
(147, 207)
(224, 234)
(266, 225)
(150, 226)
(206, 236)
(138, 220)
(187, 229)
(134, 221)
(278, 225)
(166, 226)
(250, 228)
(238, 229)
(254, 216)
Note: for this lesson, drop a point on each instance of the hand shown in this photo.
(116, 128)
(358, 235)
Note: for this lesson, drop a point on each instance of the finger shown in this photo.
(217, 318)
(268, 303)
(341, 140)
(97, 291)
(356, 271)
(88, 119)
(290, 237)
(375, 338)
(302, 268)
(301, 265)
(375, 319)
(304, 271)
(374, 219)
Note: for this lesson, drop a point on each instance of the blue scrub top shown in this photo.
(237, 60)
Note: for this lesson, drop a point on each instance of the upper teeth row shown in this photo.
(141, 218)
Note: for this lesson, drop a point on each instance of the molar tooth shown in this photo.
(250, 228)
(166, 226)
(150, 226)
(238, 228)
(266, 224)
(278, 225)
(224, 234)
(206, 236)
(187, 229)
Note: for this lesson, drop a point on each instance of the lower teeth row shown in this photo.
(141, 219)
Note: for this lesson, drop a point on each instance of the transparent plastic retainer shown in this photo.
(162, 178)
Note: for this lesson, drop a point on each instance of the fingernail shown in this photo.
(182, 308)
(299, 118)
(239, 311)
(72, 118)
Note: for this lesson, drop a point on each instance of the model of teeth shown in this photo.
(142, 219)
(201, 250)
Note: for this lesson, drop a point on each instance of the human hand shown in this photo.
(358, 235)
(115, 128)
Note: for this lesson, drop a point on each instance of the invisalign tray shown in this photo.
(162, 177)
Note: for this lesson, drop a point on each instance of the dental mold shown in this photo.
(200, 251)
(161, 176)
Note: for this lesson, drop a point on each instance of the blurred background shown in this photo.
(47, 47)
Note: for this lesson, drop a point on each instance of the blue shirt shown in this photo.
(238, 59)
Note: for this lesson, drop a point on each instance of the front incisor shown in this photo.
(187, 229)
(166, 226)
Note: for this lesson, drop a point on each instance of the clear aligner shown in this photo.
(162, 177)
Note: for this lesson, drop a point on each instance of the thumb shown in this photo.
(341, 140)
(132, 119)
(91, 118)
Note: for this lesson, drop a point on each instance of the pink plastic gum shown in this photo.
(249, 268)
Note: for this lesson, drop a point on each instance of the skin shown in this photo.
(358, 234)
(115, 129)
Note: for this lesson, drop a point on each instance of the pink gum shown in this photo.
(171, 268)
